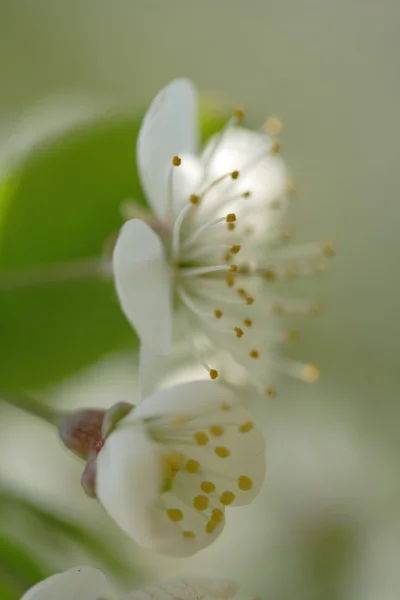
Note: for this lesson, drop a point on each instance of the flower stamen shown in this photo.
(199, 271)
(177, 228)
(273, 125)
(192, 238)
(176, 162)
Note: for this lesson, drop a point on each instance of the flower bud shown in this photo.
(80, 431)
(88, 480)
(84, 433)
(113, 415)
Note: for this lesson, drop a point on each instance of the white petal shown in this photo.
(129, 480)
(169, 128)
(132, 473)
(223, 467)
(151, 368)
(187, 179)
(78, 583)
(156, 370)
(129, 485)
(143, 284)
(189, 588)
(188, 399)
(261, 173)
(191, 534)
(240, 470)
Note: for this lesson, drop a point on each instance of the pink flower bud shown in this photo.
(80, 431)
(88, 480)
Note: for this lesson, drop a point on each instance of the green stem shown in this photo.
(52, 274)
(32, 406)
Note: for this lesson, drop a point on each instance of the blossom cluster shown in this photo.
(197, 270)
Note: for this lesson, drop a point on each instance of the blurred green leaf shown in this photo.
(91, 543)
(65, 208)
(58, 531)
(18, 566)
(8, 187)
(7, 591)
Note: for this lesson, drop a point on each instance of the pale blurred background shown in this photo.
(328, 525)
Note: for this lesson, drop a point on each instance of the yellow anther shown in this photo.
(246, 427)
(213, 374)
(269, 275)
(328, 250)
(216, 430)
(246, 194)
(218, 313)
(194, 199)
(276, 147)
(248, 322)
(249, 299)
(233, 268)
(188, 534)
(176, 161)
(225, 406)
(172, 463)
(211, 526)
(231, 226)
(234, 249)
(217, 515)
(245, 483)
(242, 293)
(227, 498)
(231, 218)
(207, 487)
(230, 280)
(192, 466)
(238, 113)
(200, 502)
(292, 335)
(239, 332)
(311, 373)
(175, 514)
(235, 174)
(222, 452)
(254, 353)
(201, 438)
(274, 125)
(270, 392)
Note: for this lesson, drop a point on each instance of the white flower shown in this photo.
(79, 583)
(215, 245)
(188, 588)
(169, 469)
(85, 583)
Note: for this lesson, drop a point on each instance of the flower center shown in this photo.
(231, 298)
